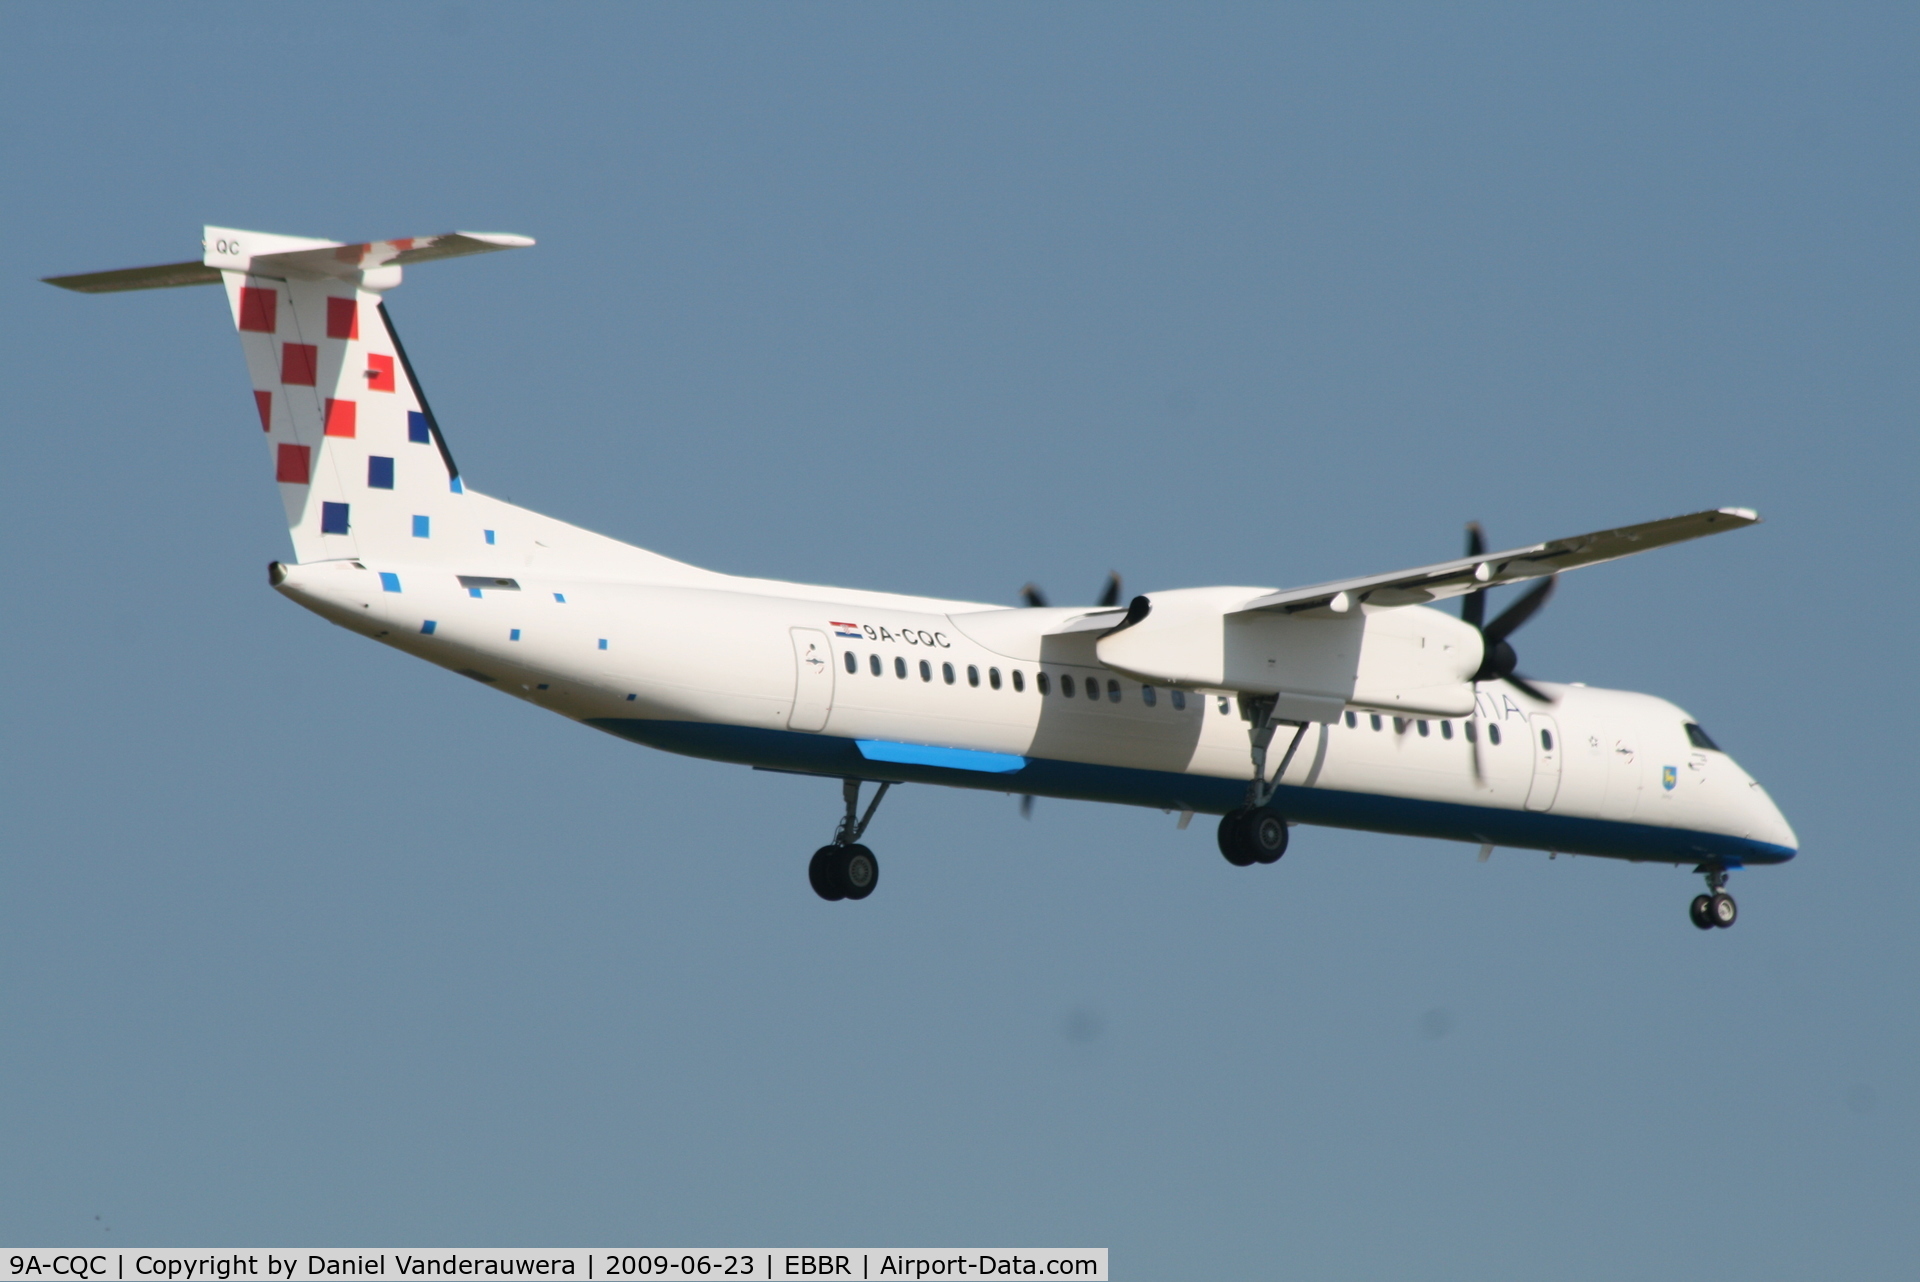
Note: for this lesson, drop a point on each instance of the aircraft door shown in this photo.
(1546, 762)
(812, 680)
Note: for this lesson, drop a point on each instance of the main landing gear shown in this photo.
(1716, 907)
(1255, 833)
(847, 869)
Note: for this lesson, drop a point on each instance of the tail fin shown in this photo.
(362, 467)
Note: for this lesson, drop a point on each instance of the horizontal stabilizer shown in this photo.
(165, 276)
(348, 262)
(372, 264)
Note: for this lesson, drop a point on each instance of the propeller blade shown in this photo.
(1473, 606)
(1026, 805)
(1520, 611)
(1111, 597)
(1033, 596)
(1528, 688)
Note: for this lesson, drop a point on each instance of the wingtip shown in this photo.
(1746, 514)
(504, 239)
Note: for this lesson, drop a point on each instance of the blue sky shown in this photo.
(302, 942)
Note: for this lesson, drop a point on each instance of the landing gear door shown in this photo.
(1546, 762)
(812, 680)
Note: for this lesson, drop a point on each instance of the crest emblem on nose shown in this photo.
(1669, 776)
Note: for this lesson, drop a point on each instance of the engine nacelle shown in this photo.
(1407, 659)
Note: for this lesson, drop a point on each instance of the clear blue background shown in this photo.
(303, 942)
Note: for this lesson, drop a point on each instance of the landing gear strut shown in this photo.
(847, 869)
(1716, 907)
(1255, 833)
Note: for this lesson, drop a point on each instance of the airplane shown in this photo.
(1391, 716)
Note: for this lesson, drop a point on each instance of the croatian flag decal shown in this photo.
(845, 629)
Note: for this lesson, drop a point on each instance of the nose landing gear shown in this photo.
(847, 869)
(1716, 907)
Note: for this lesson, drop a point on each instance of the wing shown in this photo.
(1455, 578)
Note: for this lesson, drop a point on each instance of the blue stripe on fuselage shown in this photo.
(1165, 790)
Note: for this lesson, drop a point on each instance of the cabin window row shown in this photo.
(1425, 728)
(1042, 682)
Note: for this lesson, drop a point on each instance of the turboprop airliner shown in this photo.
(1352, 704)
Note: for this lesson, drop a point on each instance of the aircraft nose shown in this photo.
(1768, 824)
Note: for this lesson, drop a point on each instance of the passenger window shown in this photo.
(926, 670)
(1546, 740)
(1041, 681)
(1399, 725)
(1352, 721)
(1179, 698)
(1066, 684)
(1113, 690)
(993, 677)
(853, 664)
(1421, 726)
(1699, 738)
(1446, 729)
(873, 661)
(946, 673)
(1493, 735)
(1148, 697)
(899, 667)
(973, 675)
(1093, 688)
(1473, 733)
(1019, 682)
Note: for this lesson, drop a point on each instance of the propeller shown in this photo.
(1498, 658)
(1109, 596)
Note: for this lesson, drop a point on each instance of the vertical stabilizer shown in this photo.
(359, 460)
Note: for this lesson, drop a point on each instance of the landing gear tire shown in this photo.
(843, 872)
(1252, 835)
(1723, 911)
(1700, 910)
(820, 874)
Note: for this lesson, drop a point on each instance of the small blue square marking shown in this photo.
(514, 635)
(603, 643)
(422, 527)
(389, 581)
(428, 627)
(561, 597)
(489, 534)
(453, 483)
(333, 518)
(474, 593)
(417, 430)
(632, 697)
(379, 472)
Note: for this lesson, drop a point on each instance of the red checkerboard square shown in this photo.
(343, 318)
(379, 373)
(259, 309)
(263, 401)
(340, 417)
(294, 464)
(300, 364)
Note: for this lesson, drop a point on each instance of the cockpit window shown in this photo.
(1700, 739)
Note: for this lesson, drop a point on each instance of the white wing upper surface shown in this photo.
(1456, 578)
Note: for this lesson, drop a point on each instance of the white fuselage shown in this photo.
(852, 684)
